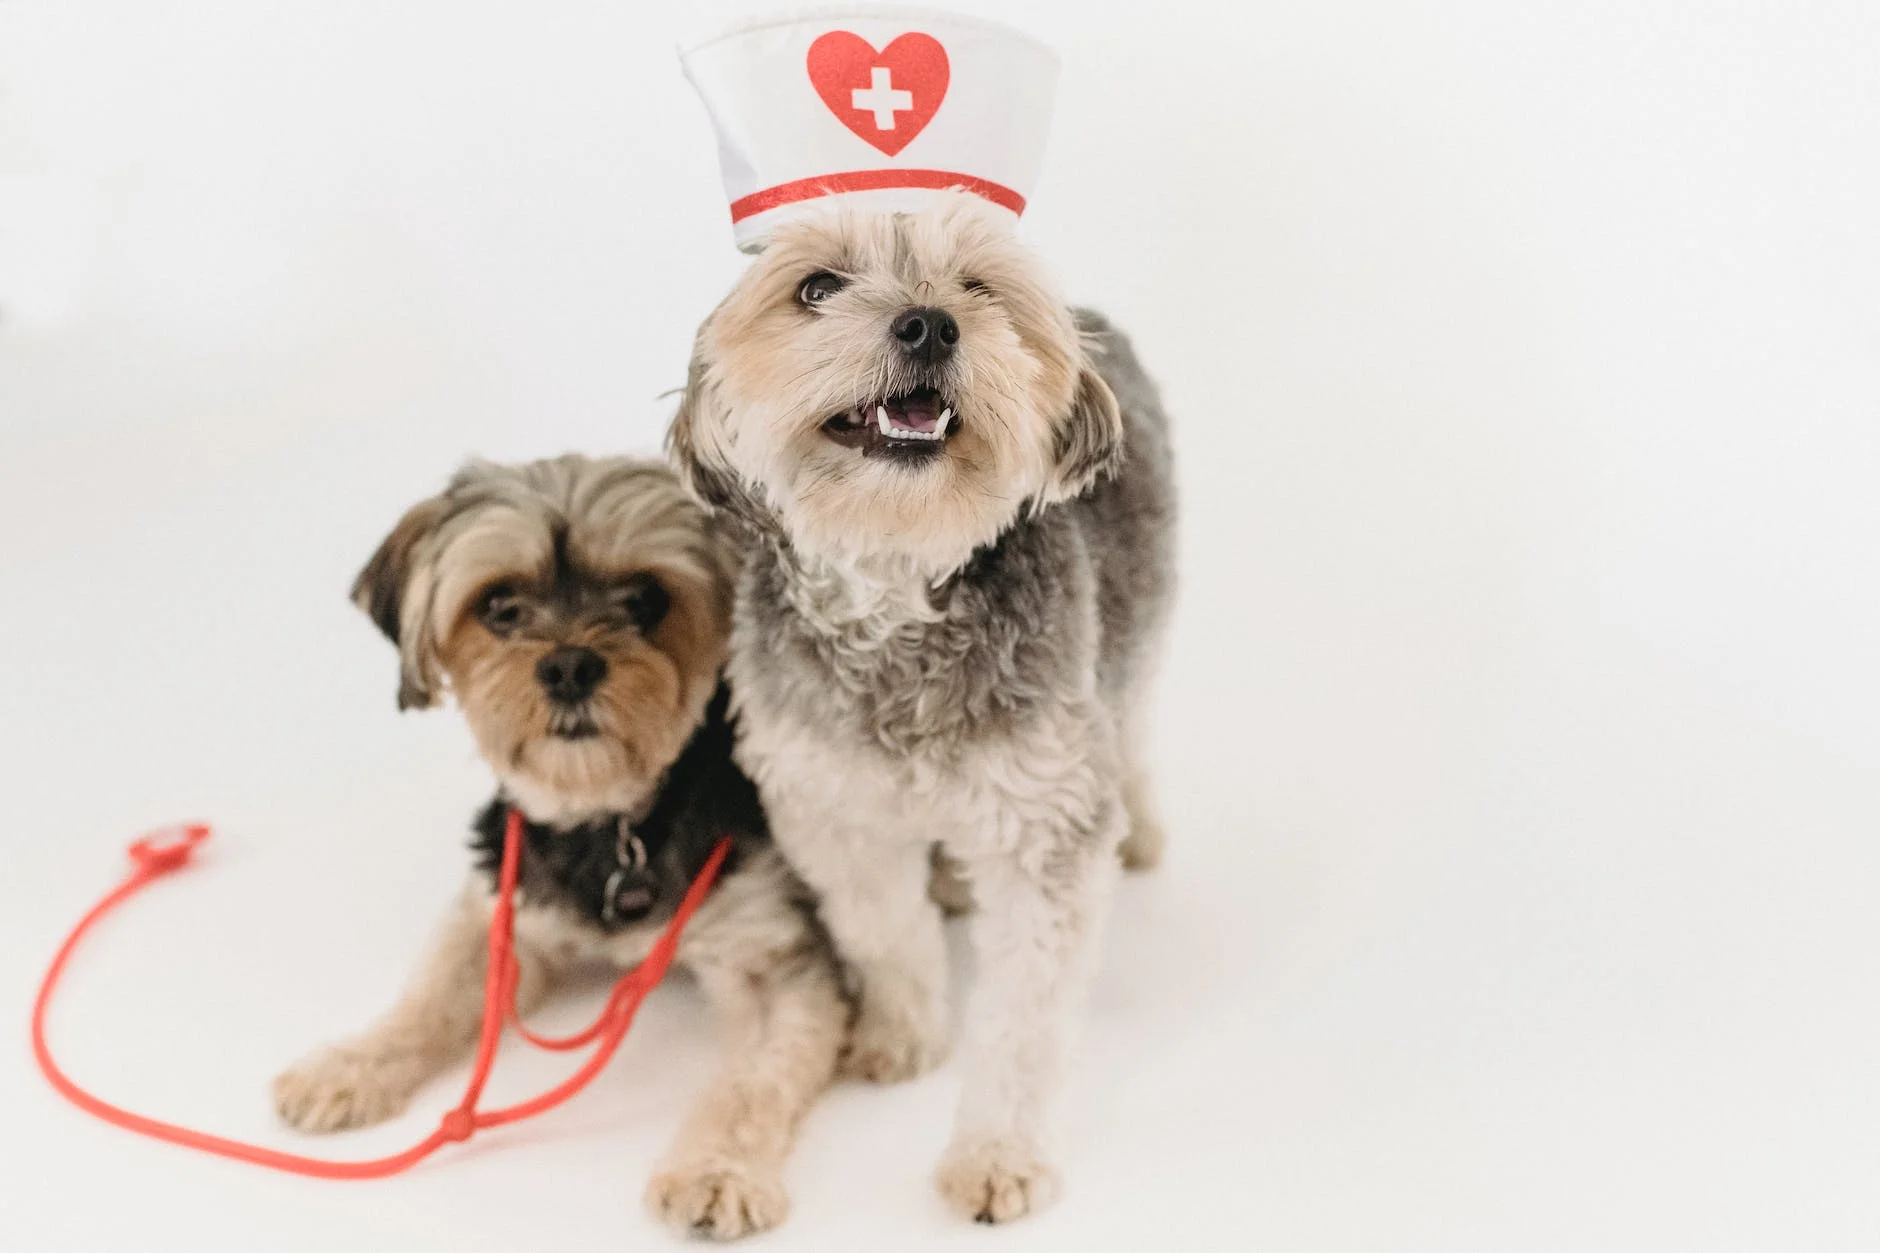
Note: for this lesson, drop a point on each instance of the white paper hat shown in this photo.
(877, 108)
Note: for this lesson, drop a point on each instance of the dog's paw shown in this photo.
(947, 886)
(996, 1181)
(1142, 847)
(719, 1199)
(892, 1042)
(342, 1088)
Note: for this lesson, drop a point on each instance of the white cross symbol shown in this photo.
(881, 99)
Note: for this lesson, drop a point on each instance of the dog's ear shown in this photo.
(1089, 438)
(394, 590)
(691, 447)
(695, 447)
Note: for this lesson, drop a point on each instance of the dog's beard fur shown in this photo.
(564, 540)
(1033, 422)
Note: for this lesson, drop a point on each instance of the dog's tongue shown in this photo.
(918, 412)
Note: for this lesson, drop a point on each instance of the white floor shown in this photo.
(1518, 736)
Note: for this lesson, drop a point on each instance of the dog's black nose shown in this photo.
(570, 675)
(927, 335)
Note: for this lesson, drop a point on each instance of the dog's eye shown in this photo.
(819, 287)
(500, 609)
(974, 286)
(644, 600)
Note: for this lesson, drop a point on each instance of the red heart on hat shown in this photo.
(885, 97)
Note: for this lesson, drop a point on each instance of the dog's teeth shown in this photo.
(881, 416)
(940, 427)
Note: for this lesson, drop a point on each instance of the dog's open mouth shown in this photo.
(913, 424)
(574, 722)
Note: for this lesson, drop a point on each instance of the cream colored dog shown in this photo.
(959, 512)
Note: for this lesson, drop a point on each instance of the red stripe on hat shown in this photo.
(871, 180)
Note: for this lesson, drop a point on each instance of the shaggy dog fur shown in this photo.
(577, 610)
(959, 509)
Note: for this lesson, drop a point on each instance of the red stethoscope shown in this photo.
(162, 852)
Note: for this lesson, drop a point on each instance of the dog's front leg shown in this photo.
(872, 889)
(371, 1078)
(1034, 936)
(782, 1030)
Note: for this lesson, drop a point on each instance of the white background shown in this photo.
(1518, 737)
